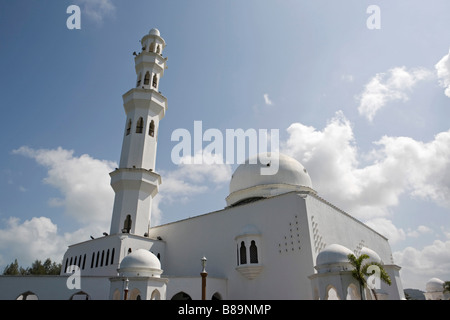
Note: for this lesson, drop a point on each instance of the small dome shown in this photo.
(333, 254)
(435, 285)
(373, 256)
(266, 175)
(141, 262)
(154, 32)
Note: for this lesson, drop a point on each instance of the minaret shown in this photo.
(135, 182)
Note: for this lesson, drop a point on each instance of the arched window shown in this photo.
(243, 253)
(152, 47)
(134, 294)
(332, 294)
(155, 295)
(127, 224)
(128, 127)
(151, 130)
(116, 294)
(140, 125)
(147, 78)
(158, 49)
(155, 81)
(253, 252)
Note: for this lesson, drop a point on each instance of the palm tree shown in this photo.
(447, 286)
(360, 271)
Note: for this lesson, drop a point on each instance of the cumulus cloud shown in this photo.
(419, 265)
(369, 189)
(393, 85)
(443, 73)
(419, 231)
(369, 185)
(195, 175)
(86, 197)
(96, 10)
(83, 182)
(387, 228)
(32, 239)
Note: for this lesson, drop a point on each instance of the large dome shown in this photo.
(257, 177)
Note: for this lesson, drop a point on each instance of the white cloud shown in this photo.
(443, 73)
(33, 239)
(395, 166)
(38, 239)
(96, 10)
(191, 179)
(86, 197)
(387, 229)
(83, 182)
(419, 231)
(267, 99)
(418, 266)
(393, 85)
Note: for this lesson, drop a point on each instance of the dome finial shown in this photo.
(154, 32)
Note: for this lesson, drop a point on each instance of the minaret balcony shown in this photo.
(138, 98)
(135, 179)
(152, 61)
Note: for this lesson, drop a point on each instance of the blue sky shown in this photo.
(365, 111)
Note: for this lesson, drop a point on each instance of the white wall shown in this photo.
(52, 287)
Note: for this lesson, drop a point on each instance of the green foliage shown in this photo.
(37, 268)
(446, 286)
(360, 271)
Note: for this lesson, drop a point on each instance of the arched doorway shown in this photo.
(181, 296)
(27, 296)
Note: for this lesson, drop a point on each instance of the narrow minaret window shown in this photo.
(158, 49)
(139, 80)
(147, 78)
(127, 224)
(151, 130)
(140, 125)
(155, 81)
(129, 127)
(152, 47)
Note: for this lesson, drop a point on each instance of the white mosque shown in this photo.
(275, 239)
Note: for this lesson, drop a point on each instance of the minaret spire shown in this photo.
(135, 182)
